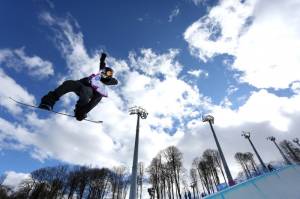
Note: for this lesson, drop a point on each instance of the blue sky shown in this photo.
(117, 27)
(178, 59)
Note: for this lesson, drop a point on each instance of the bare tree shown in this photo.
(82, 174)
(247, 162)
(208, 167)
(119, 182)
(4, 191)
(240, 157)
(57, 181)
(194, 181)
(140, 178)
(174, 158)
(202, 169)
(41, 188)
(195, 165)
(250, 159)
(73, 181)
(154, 171)
(290, 150)
(98, 183)
(46, 182)
(212, 167)
(168, 178)
(185, 181)
(217, 160)
(162, 176)
(69, 182)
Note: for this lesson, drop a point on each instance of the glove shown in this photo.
(80, 115)
(102, 60)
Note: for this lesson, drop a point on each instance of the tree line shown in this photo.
(70, 182)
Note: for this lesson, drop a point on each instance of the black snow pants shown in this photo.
(88, 98)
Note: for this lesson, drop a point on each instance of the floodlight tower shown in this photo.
(141, 113)
(273, 139)
(247, 136)
(296, 140)
(210, 120)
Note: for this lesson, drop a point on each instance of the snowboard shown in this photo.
(52, 111)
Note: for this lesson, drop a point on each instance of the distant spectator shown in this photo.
(189, 195)
(151, 192)
(270, 167)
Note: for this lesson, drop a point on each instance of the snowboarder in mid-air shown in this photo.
(90, 90)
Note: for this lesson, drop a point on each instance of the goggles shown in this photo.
(107, 74)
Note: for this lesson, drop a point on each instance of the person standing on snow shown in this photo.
(90, 90)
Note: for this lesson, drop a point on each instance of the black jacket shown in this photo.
(96, 96)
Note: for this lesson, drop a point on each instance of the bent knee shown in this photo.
(68, 82)
(71, 84)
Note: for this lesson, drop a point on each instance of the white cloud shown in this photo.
(173, 14)
(14, 136)
(13, 179)
(69, 40)
(226, 102)
(199, 2)
(18, 60)
(14, 90)
(158, 95)
(296, 87)
(153, 64)
(198, 73)
(217, 32)
(263, 37)
(160, 98)
(258, 109)
(231, 89)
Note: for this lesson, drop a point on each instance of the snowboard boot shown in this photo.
(79, 114)
(45, 106)
(48, 101)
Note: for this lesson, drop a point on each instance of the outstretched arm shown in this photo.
(102, 61)
(108, 81)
